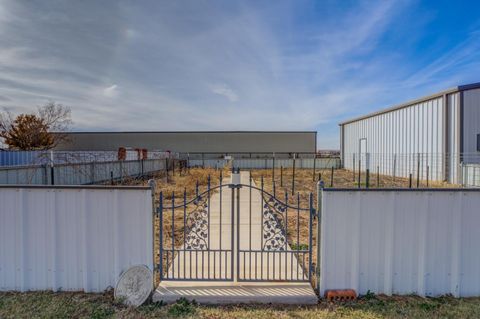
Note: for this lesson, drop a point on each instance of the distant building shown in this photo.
(437, 135)
(210, 144)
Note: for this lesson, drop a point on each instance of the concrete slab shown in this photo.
(236, 293)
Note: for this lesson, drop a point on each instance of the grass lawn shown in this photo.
(81, 305)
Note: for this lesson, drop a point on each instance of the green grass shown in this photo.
(80, 305)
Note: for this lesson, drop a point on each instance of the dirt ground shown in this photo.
(184, 182)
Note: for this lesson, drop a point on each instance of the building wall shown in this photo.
(471, 125)
(452, 168)
(398, 141)
(221, 142)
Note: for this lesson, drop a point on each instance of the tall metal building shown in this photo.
(435, 137)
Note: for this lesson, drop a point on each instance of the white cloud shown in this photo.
(111, 91)
(224, 90)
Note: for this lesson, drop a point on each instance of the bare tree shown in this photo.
(42, 130)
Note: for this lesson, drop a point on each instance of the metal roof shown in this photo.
(416, 101)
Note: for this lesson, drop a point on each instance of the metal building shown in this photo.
(211, 144)
(435, 137)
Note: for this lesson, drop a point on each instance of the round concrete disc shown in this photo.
(134, 286)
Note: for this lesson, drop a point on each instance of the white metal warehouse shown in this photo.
(435, 137)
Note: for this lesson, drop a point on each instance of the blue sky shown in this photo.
(227, 65)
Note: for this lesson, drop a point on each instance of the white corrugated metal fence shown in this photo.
(401, 242)
(77, 238)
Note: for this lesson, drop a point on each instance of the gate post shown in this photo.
(152, 185)
(320, 186)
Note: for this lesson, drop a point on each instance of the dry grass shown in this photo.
(81, 305)
(183, 183)
(306, 183)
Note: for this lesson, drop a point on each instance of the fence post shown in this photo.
(359, 174)
(378, 177)
(359, 168)
(45, 174)
(410, 181)
(331, 178)
(418, 170)
(353, 167)
(394, 166)
(281, 176)
(160, 221)
(166, 168)
(52, 170)
(203, 160)
(314, 166)
(367, 178)
(428, 177)
(293, 176)
(273, 169)
(92, 172)
(320, 186)
(152, 185)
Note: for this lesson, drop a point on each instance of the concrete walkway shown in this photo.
(275, 262)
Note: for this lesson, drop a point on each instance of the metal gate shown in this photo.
(235, 232)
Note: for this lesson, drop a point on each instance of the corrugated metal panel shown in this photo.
(20, 158)
(471, 125)
(471, 175)
(398, 141)
(453, 137)
(72, 239)
(265, 163)
(401, 242)
(80, 173)
(212, 163)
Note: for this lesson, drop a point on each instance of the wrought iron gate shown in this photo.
(235, 232)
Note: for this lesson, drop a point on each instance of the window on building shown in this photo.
(478, 142)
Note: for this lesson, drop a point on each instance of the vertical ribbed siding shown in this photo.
(471, 125)
(407, 136)
(72, 239)
(79, 173)
(453, 137)
(407, 242)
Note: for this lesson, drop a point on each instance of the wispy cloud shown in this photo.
(175, 65)
(224, 90)
(111, 91)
